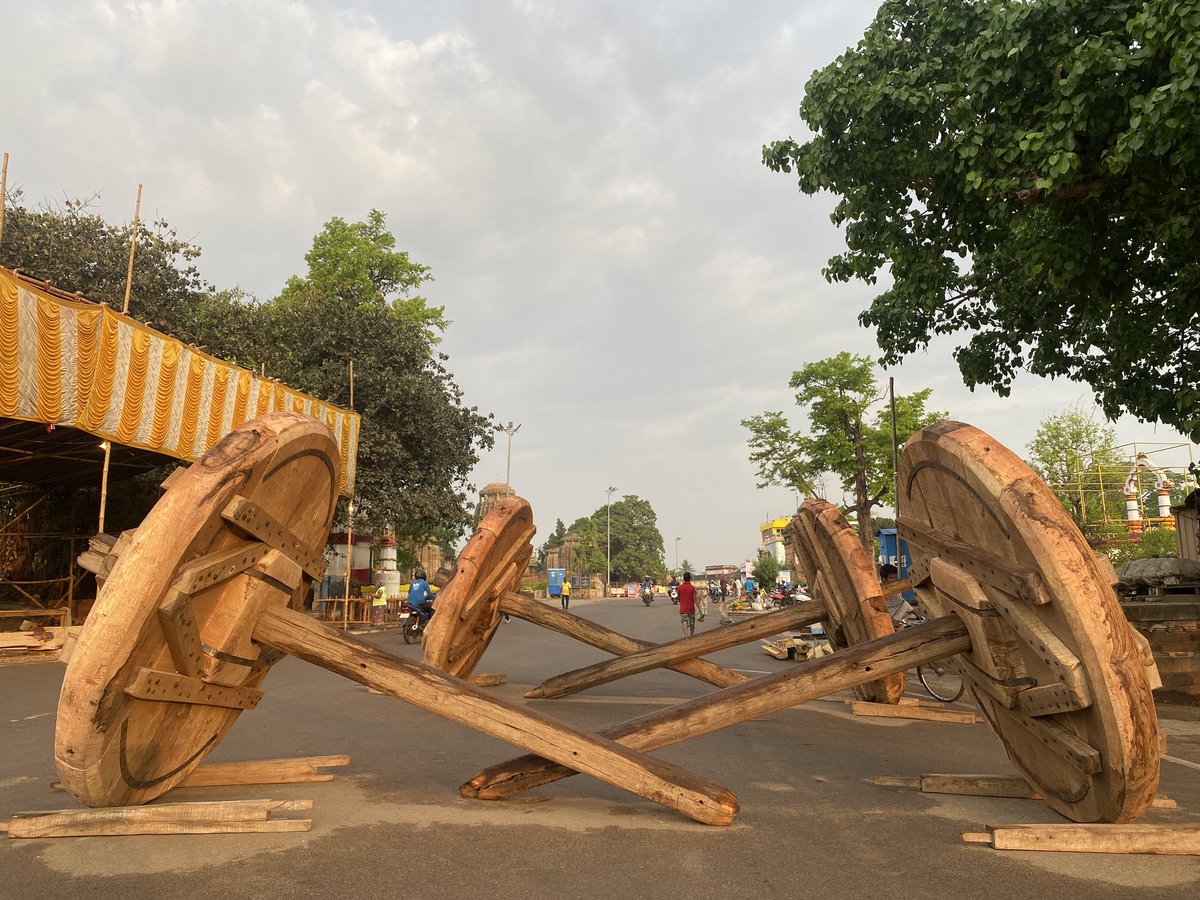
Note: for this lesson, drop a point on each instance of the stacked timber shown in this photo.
(1161, 598)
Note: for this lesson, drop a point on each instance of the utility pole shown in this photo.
(677, 540)
(608, 554)
(510, 429)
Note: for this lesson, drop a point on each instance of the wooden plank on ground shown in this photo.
(264, 771)
(1009, 786)
(1169, 840)
(905, 711)
(487, 680)
(165, 818)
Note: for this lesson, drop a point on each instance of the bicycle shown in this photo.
(938, 678)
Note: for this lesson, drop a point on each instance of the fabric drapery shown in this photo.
(75, 363)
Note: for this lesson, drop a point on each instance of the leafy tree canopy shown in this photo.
(637, 544)
(1027, 173)
(418, 440)
(1068, 448)
(358, 262)
(843, 435)
(766, 571)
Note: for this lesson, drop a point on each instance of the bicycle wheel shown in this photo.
(941, 681)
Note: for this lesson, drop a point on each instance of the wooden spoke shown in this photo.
(677, 651)
(468, 607)
(842, 575)
(114, 748)
(712, 712)
(1052, 663)
(433, 690)
(598, 636)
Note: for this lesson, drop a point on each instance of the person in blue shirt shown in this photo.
(750, 587)
(420, 597)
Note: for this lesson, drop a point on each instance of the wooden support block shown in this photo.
(1168, 840)
(487, 680)
(257, 522)
(921, 713)
(221, 565)
(166, 818)
(182, 635)
(171, 687)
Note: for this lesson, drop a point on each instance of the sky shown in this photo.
(625, 279)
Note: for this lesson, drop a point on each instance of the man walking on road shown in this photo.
(687, 605)
(566, 593)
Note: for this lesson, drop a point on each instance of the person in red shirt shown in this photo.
(687, 605)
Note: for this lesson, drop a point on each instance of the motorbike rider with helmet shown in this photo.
(420, 597)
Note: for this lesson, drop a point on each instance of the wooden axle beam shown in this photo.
(434, 691)
(678, 651)
(598, 636)
(807, 681)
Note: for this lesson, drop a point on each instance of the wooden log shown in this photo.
(434, 691)
(807, 681)
(598, 636)
(909, 711)
(256, 826)
(196, 818)
(1168, 840)
(486, 680)
(677, 651)
(1009, 786)
(293, 770)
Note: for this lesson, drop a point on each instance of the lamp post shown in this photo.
(677, 540)
(510, 429)
(608, 553)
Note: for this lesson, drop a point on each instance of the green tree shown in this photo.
(686, 566)
(554, 540)
(843, 436)
(766, 570)
(1067, 452)
(358, 263)
(1027, 174)
(637, 544)
(74, 248)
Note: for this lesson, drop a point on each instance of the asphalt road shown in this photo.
(392, 824)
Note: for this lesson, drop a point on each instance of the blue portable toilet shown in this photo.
(894, 549)
(555, 581)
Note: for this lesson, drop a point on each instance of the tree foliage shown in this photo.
(766, 571)
(1064, 450)
(418, 440)
(1027, 173)
(637, 544)
(843, 435)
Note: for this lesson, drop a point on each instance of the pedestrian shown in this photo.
(379, 605)
(565, 596)
(687, 605)
(724, 590)
(749, 587)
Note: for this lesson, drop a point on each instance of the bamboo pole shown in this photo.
(349, 551)
(137, 210)
(3, 194)
(104, 485)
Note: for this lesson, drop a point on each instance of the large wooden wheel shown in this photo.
(1053, 664)
(840, 573)
(165, 664)
(468, 607)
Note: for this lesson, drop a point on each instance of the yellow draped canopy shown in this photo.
(74, 363)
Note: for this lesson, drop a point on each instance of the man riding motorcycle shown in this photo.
(420, 597)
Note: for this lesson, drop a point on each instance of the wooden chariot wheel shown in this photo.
(1054, 665)
(469, 606)
(839, 572)
(165, 664)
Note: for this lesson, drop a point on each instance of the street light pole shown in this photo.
(677, 540)
(510, 429)
(608, 553)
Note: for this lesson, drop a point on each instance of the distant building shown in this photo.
(492, 494)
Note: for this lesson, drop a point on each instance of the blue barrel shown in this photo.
(898, 556)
